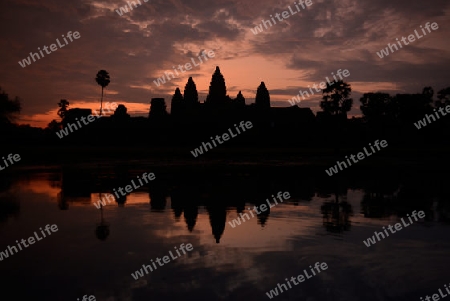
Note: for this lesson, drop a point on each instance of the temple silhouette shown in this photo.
(191, 122)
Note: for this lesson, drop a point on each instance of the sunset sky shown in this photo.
(137, 47)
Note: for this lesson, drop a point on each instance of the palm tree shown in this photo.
(63, 104)
(103, 80)
(102, 229)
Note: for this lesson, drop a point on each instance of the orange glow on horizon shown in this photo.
(42, 120)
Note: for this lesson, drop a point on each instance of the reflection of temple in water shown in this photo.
(190, 213)
(187, 200)
(217, 219)
(157, 200)
(77, 186)
(184, 199)
(190, 216)
(158, 192)
(217, 192)
(376, 205)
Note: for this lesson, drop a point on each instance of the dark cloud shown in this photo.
(139, 46)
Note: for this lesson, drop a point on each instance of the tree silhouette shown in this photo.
(336, 99)
(410, 107)
(8, 107)
(54, 125)
(217, 88)
(63, 104)
(121, 112)
(376, 106)
(190, 93)
(262, 99)
(428, 93)
(103, 80)
(443, 97)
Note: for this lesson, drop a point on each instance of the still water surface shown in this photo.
(95, 251)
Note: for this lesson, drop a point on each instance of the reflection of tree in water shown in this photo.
(217, 219)
(63, 204)
(377, 205)
(263, 216)
(5, 183)
(443, 209)
(121, 179)
(9, 206)
(102, 230)
(121, 200)
(336, 215)
(442, 196)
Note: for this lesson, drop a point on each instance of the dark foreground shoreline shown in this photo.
(422, 157)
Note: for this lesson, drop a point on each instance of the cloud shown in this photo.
(139, 46)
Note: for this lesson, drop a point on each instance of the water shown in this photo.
(95, 251)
